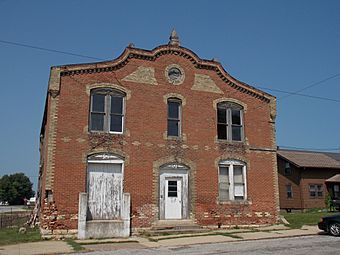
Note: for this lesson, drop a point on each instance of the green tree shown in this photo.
(15, 188)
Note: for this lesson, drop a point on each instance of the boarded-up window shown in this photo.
(104, 190)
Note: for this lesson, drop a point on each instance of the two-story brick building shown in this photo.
(152, 137)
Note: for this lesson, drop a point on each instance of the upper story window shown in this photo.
(289, 191)
(229, 121)
(232, 180)
(107, 111)
(174, 117)
(288, 169)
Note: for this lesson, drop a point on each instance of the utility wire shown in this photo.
(289, 93)
(310, 86)
(299, 94)
(49, 50)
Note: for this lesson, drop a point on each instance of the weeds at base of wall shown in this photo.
(75, 246)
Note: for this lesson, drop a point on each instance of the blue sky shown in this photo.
(281, 45)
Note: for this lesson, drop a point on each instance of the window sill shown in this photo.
(234, 202)
(181, 138)
(105, 132)
(222, 141)
(174, 138)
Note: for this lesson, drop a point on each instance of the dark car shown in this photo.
(330, 224)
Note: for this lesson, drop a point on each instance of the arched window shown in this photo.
(232, 180)
(107, 110)
(174, 117)
(230, 121)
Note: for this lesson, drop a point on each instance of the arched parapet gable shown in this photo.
(152, 55)
(93, 86)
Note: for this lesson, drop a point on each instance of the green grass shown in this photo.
(75, 246)
(298, 219)
(11, 236)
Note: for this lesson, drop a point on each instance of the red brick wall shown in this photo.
(145, 122)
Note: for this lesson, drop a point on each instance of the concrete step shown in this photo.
(164, 227)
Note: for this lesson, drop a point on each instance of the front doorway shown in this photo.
(173, 192)
(173, 198)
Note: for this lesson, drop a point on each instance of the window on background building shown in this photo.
(289, 191)
(336, 189)
(174, 117)
(232, 180)
(288, 169)
(229, 121)
(315, 190)
(107, 111)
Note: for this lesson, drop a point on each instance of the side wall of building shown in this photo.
(293, 180)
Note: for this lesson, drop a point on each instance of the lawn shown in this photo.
(11, 236)
(298, 219)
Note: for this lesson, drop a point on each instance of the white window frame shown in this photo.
(179, 101)
(314, 188)
(229, 106)
(230, 165)
(107, 108)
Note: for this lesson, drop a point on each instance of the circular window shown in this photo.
(174, 74)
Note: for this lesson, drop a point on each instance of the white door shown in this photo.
(173, 198)
(104, 190)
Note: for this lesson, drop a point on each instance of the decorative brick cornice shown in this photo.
(147, 55)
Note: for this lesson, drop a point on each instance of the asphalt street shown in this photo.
(311, 245)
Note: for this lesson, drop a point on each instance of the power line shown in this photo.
(299, 94)
(49, 50)
(289, 93)
(311, 85)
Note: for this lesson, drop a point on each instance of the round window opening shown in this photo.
(174, 73)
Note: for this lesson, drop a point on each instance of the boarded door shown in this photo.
(104, 190)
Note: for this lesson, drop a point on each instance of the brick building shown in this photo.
(303, 177)
(152, 137)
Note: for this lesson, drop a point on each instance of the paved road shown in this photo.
(311, 245)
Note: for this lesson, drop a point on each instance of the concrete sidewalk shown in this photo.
(218, 236)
